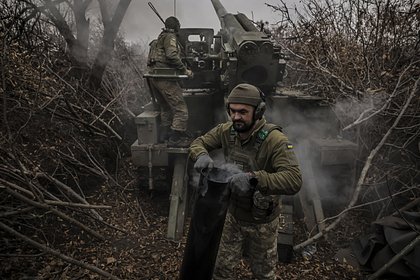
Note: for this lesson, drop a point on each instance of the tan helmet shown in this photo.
(249, 95)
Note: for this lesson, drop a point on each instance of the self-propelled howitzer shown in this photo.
(242, 53)
(250, 55)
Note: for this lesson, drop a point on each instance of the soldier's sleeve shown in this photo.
(206, 143)
(286, 178)
(172, 53)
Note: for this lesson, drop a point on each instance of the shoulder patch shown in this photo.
(172, 42)
(289, 146)
(262, 134)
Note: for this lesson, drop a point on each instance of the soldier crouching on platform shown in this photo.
(266, 156)
(165, 53)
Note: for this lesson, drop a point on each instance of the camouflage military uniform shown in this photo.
(165, 53)
(274, 164)
(262, 254)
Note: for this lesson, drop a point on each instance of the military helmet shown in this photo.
(172, 23)
(249, 95)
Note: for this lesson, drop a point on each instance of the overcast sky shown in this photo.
(142, 25)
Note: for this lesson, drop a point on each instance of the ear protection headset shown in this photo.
(259, 110)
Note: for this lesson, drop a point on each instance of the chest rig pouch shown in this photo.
(153, 53)
(253, 206)
(157, 51)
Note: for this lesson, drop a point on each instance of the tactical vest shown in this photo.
(245, 157)
(153, 53)
(157, 53)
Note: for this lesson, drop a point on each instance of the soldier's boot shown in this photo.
(164, 133)
(179, 139)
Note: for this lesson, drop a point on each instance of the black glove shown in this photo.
(204, 162)
(243, 183)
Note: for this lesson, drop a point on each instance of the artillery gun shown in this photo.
(239, 53)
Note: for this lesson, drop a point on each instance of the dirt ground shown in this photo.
(136, 246)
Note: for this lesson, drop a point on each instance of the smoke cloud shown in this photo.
(142, 25)
(302, 124)
(348, 110)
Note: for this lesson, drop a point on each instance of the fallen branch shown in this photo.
(100, 120)
(69, 191)
(78, 205)
(56, 202)
(95, 131)
(363, 174)
(56, 212)
(78, 163)
(142, 213)
(113, 227)
(16, 187)
(105, 108)
(16, 212)
(108, 105)
(57, 254)
(95, 163)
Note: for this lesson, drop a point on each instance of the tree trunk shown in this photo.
(80, 49)
(110, 32)
(78, 46)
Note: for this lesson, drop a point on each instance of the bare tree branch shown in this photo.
(364, 172)
(56, 253)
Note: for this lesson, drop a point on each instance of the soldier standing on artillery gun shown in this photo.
(165, 53)
(265, 155)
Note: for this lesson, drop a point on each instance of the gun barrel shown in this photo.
(246, 23)
(257, 59)
(220, 10)
(228, 22)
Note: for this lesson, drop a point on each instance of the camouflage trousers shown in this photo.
(173, 109)
(260, 241)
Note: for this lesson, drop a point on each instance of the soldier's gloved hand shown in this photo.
(243, 183)
(189, 73)
(204, 162)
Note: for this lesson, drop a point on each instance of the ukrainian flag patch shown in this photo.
(289, 146)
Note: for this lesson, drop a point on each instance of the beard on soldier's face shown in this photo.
(240, 126)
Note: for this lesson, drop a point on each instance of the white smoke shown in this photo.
(303, 124)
